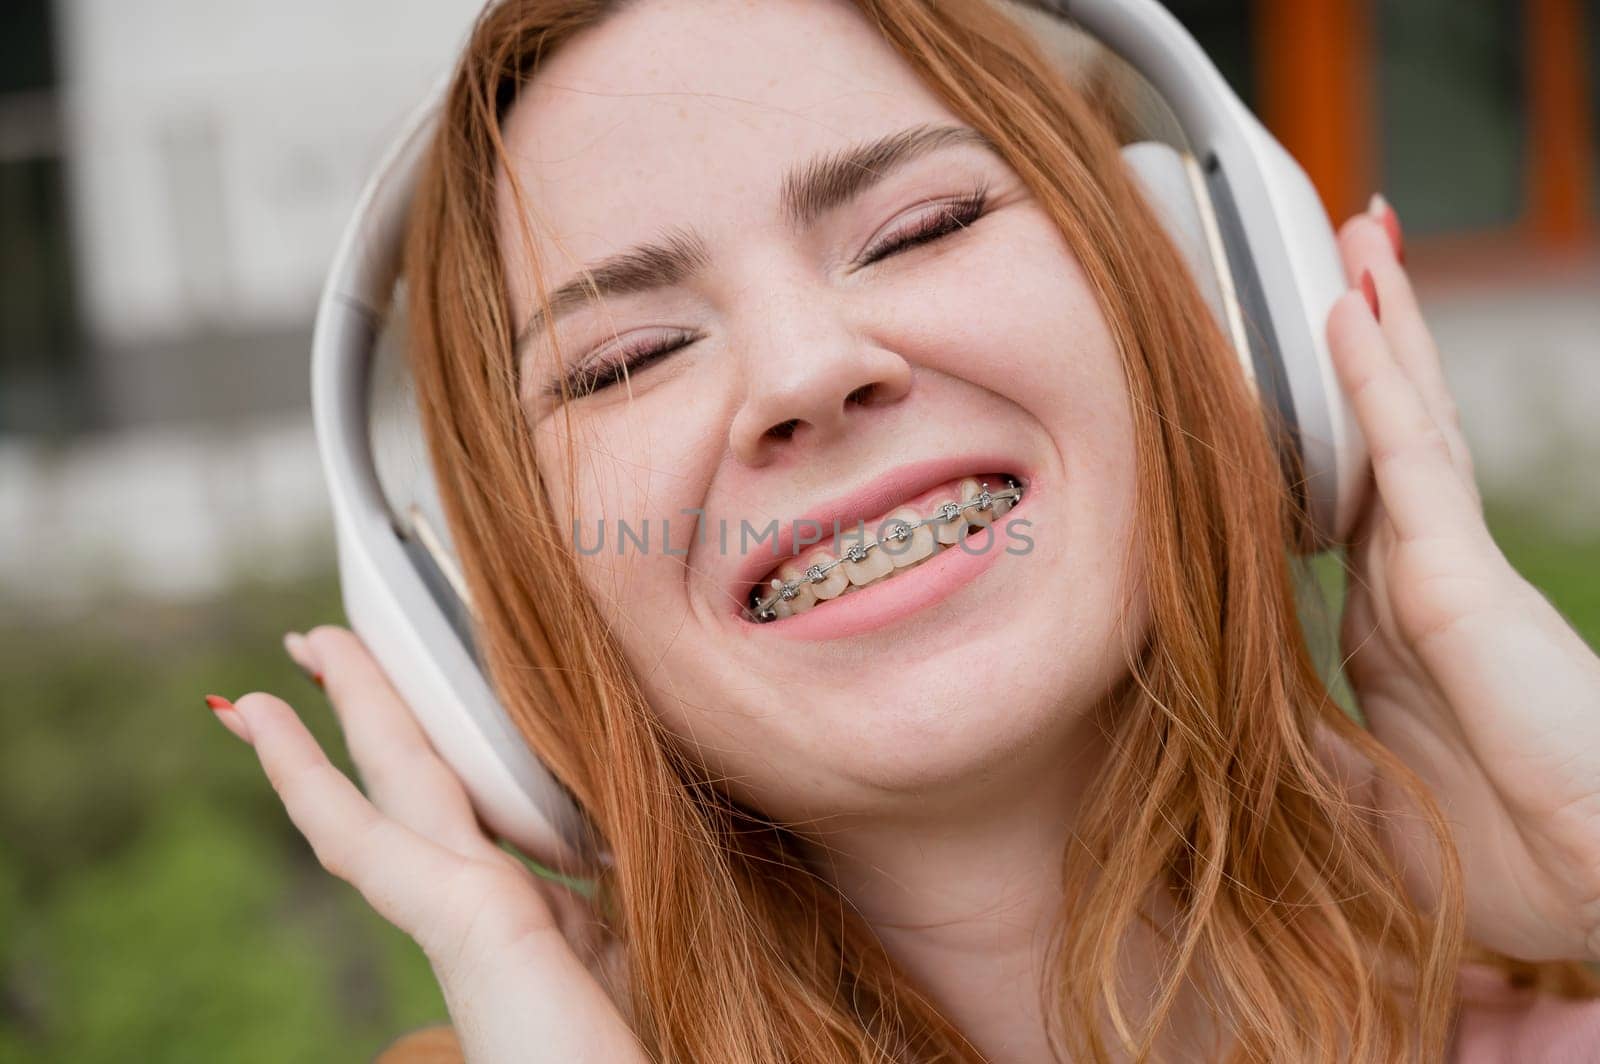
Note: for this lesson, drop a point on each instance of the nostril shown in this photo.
(785, 429)
(860, 395)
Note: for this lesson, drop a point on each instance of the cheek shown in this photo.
(1014, 314)
(625, 519)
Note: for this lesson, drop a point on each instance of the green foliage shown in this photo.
(155, 903)
(1563, 565)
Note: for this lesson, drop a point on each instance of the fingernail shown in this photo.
(228, 714)
(1369, 288)
(300, 653)
(1384, 212)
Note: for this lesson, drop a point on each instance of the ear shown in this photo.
(1175, 189)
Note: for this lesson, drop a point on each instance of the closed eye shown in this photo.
(588, 378)
(942, 221)
(946, 218)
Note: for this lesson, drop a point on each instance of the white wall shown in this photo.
(1522, 358)
(217, 148)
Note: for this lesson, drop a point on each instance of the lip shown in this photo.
(885, 602)
(876, 497)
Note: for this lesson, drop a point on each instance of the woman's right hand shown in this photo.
(525, 969)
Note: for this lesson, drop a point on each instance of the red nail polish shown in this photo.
(234, 721)
(1369, 288)
(1385, 213)
(316, 678)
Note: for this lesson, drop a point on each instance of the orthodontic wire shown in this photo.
(857, 552)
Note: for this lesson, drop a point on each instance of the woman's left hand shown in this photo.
(1462, 668)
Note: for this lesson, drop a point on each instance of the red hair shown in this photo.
(730, 947)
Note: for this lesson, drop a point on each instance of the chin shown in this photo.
(977, 707)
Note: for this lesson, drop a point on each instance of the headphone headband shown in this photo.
(1252, 229)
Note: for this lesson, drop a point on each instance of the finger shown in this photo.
(1365, 245)
(1412, 341)
(1422, 489)
(398, 767)
(399, 872)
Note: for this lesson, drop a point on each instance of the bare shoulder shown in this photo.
(1501, 1022)
(430, 1045)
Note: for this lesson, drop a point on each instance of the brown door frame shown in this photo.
(1316, 66)
(1559, 166)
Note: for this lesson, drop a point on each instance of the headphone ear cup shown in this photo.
(1331, 456)
(1174, 188)
(1177, 191)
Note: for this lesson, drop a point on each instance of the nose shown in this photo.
(810, 376)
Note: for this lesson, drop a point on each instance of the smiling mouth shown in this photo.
(870, 554)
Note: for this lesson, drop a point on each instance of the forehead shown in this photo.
(688, 112)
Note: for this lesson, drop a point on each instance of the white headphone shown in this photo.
(1253, 231)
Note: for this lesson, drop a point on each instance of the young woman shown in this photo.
(1083, 799)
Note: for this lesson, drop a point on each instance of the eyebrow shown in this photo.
(808, 192)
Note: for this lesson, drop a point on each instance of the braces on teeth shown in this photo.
(761, 611)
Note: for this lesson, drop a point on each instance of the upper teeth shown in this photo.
(796, 589)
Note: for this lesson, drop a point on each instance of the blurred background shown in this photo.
(173, 178)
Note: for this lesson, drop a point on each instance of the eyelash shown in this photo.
(952, 215)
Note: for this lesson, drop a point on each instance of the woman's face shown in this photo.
(796, 361)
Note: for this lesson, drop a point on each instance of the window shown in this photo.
(1452, 107)
(41, 359)
(1224, 30)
